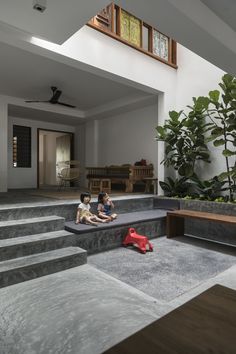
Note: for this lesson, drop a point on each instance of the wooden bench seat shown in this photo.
(126, 174)
(175, 220)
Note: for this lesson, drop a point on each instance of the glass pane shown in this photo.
(164, 47)
(156, 43)
(145, 37)
(135, 25)
(160, 45)
(130, 28)
(124, 25)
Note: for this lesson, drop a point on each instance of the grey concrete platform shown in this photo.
(77, 311)
(95, 239)
(81, 311)
(174, 267)
(30, 244)
(25, 268)
(29, 226)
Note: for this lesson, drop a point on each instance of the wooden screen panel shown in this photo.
(103, 19)
(21, 146)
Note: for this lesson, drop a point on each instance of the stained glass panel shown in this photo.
(160, 45)
(124, 25)
(130, 28)
(135, 31)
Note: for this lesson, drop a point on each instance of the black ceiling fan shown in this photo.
(55, 97)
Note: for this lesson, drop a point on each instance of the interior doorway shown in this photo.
(54, 147)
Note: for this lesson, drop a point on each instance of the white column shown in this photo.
(91, 143)
(161, 144)
(3, 145)
(80, 138)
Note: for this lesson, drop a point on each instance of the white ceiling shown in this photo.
(43, 115)
(206, 27)
(30, 76)
(57, 23)
(224, 9)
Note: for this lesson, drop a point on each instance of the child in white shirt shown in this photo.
(84, 214)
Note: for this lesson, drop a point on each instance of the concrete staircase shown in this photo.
(31, 248)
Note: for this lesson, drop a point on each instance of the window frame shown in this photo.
(172, 45)
(15, 148)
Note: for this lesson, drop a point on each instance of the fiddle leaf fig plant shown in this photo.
(222, 114)
(184, 136)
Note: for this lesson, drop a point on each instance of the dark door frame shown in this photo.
(55, 131)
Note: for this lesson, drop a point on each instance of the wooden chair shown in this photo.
(67, 176)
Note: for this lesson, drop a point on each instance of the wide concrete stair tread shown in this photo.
(123, 219)
(23, 227)
(39, 258)
(30, 220)
(37, 243)
(25, 268)
(33, 238)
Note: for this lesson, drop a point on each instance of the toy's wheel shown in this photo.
(142, 251)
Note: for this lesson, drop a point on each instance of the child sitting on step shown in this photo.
(84, 214)
(104, 207)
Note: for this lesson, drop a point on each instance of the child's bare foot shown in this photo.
(76, 221)
(105, 221)
(94, 223)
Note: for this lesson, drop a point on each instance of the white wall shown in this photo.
(196, 77)
(113, 59)
(128, 138)
(27, 177)
(3, 145)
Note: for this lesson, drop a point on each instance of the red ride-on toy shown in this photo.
(132, 238)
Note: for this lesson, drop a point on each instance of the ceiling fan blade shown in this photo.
(35, 101)
(56, 96)
(66, 104)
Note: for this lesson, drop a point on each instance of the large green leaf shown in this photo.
(214, 95)
(219, 142)
(174, 115)
(227, 79)
(186, 170)
(228, 153)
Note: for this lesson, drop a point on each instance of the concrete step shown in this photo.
(68, 208)
(23, 246)
(23, 227)
(25, 268)
(151, 223)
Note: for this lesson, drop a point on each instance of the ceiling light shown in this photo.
(40, 5)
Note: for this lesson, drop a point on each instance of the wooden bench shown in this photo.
(175, 220)
(205, 324)
(127, 175)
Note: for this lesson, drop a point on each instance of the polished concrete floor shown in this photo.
(85, 310)
(81, 311)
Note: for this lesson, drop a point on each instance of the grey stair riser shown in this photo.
(211, 230)
(30, 228)
(15, 276)
(39, 246)
(94, 242)
(68, 210)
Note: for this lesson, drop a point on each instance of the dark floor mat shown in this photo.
(123, 219)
